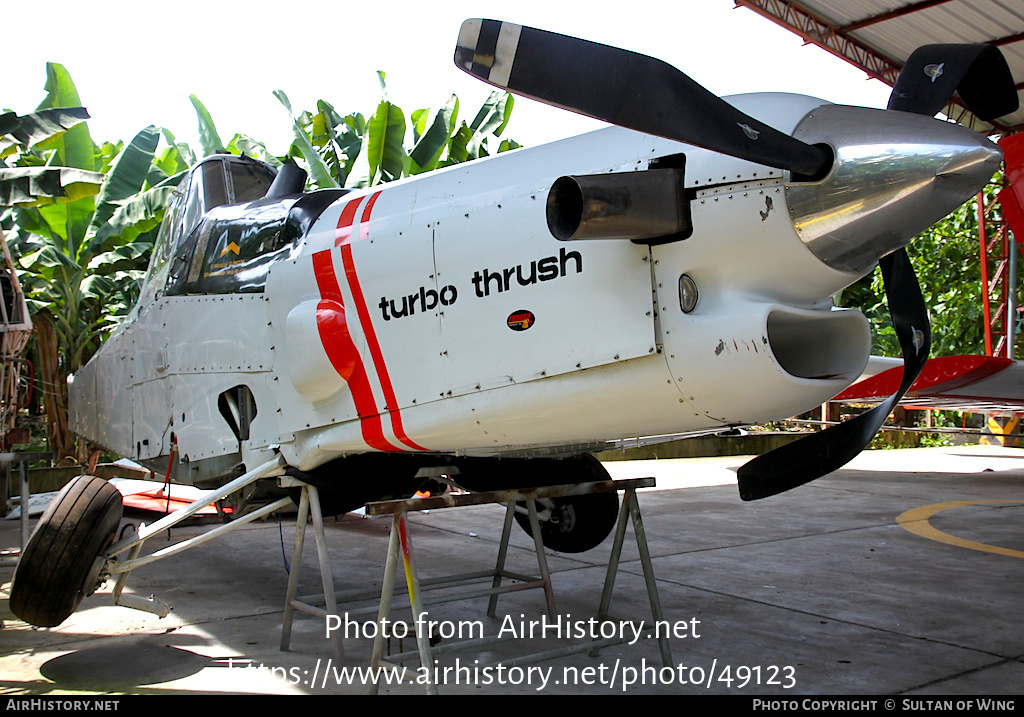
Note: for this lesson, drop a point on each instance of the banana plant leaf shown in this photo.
(31, 129)
(492, 118)
(38, 186)
(319, 172)
(385, 143)
(432, 142)
(208, 137)
(74, 147)
(126, 178)
(137, 216)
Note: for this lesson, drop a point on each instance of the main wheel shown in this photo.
(56, 566)
(573, 524)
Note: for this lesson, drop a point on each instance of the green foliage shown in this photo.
(31, 185)
(72, 257)
(35, 129)
(80, 219)
(74, 147)
(945, 259)
(208, 137)
(75, 212)
(351, 151)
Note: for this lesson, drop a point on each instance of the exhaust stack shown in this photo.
(639, 206)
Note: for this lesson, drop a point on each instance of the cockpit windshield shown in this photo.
(218, 180)
(221, 180)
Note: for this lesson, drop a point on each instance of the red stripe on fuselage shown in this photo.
(343, 239)
(375, 352)
(341, 350)
(343, 234)
(326, 279)
(364, 222)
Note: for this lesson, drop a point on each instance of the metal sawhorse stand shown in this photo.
(23, 459)
(401, 543)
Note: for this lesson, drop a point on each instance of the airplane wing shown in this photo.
(976, 384)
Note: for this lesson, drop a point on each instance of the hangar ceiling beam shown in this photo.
(817, 31)
(898, 12)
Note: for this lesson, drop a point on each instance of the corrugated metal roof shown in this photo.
(879, 35)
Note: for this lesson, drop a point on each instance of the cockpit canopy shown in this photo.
(215, 181)
(220, 180)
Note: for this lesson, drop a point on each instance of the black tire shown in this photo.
(579, 522)
(50, 580)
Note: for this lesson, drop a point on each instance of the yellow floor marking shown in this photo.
(916, 521)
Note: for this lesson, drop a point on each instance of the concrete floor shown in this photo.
(817, 591)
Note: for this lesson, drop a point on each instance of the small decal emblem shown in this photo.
(934, 71)
(918, 339)
(521, 320)
(748, 130)
(231, 248)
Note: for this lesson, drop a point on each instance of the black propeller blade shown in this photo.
(626, 89)
(928, 79)
(933, 72)
(821, 453)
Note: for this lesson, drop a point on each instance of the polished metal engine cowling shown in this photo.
(894, 175)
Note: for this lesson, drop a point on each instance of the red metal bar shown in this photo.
(983, 257)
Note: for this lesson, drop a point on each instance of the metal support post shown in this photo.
(23, 459)
(309, 506)
(400, 545)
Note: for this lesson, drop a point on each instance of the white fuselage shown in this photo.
(439, 314)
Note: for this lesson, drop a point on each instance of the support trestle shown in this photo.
(400, 547)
